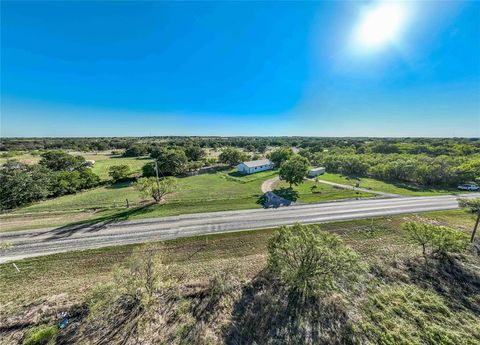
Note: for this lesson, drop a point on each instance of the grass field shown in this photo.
(23, 157)
(387, 187)
(101, 166)
(309, 192)
(46, 285)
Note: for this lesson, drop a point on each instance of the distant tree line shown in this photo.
(427, 146)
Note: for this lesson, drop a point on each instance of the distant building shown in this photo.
(255, 166)
(316, 171)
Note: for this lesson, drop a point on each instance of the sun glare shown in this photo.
(381, 24)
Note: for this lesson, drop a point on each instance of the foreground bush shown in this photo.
(436, 241)
(409, 315)
(312, 262)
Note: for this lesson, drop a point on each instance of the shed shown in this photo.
(316, 171)
(251, 167)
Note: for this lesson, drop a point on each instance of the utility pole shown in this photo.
(156, 173)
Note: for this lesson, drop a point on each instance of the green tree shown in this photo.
(294, 170)
(312, 262)
(149, 188)
(68, 182)
(172, 162)
(119, 172)
(436, 240)
(473, 205)
(136, 150)
(60, 160)
(280, 155)
(21, 184)
(232, 157)
(194, 152)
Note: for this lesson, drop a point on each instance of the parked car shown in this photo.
(469, 186)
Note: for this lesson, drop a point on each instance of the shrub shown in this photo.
(119, 172)
(149, 187)
(42, 335)
(312, 262)
(436, 240)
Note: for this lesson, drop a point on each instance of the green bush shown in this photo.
(312, 262)
(436, 240)
(41, 335)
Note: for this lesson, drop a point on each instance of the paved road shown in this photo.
(32, 243)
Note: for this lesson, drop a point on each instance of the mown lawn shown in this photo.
(387, 187)
(309, 192)
(101, 166)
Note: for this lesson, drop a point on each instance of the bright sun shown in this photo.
(381, 24)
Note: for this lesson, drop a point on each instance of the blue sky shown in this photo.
(237, 68)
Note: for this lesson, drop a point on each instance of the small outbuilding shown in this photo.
(316, 171)
(251, 167)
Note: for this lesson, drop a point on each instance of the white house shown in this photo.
(255, 166)
(316, 171)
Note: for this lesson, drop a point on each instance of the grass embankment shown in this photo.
(400, 294)
(387, 187)
(309, 192)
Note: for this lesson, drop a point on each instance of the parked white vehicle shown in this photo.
(469, 187)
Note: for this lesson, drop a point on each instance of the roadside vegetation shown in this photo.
(269, 286)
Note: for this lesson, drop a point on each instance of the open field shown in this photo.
(47, 285)
(24, 157)
(309, 191)
(387, 187)
(103, 163)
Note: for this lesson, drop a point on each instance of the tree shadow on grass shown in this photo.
(98, 223)
(122, 184)
(267, 313)
(450, 278)
(287, 193)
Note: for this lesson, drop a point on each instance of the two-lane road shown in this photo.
(32, 243)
